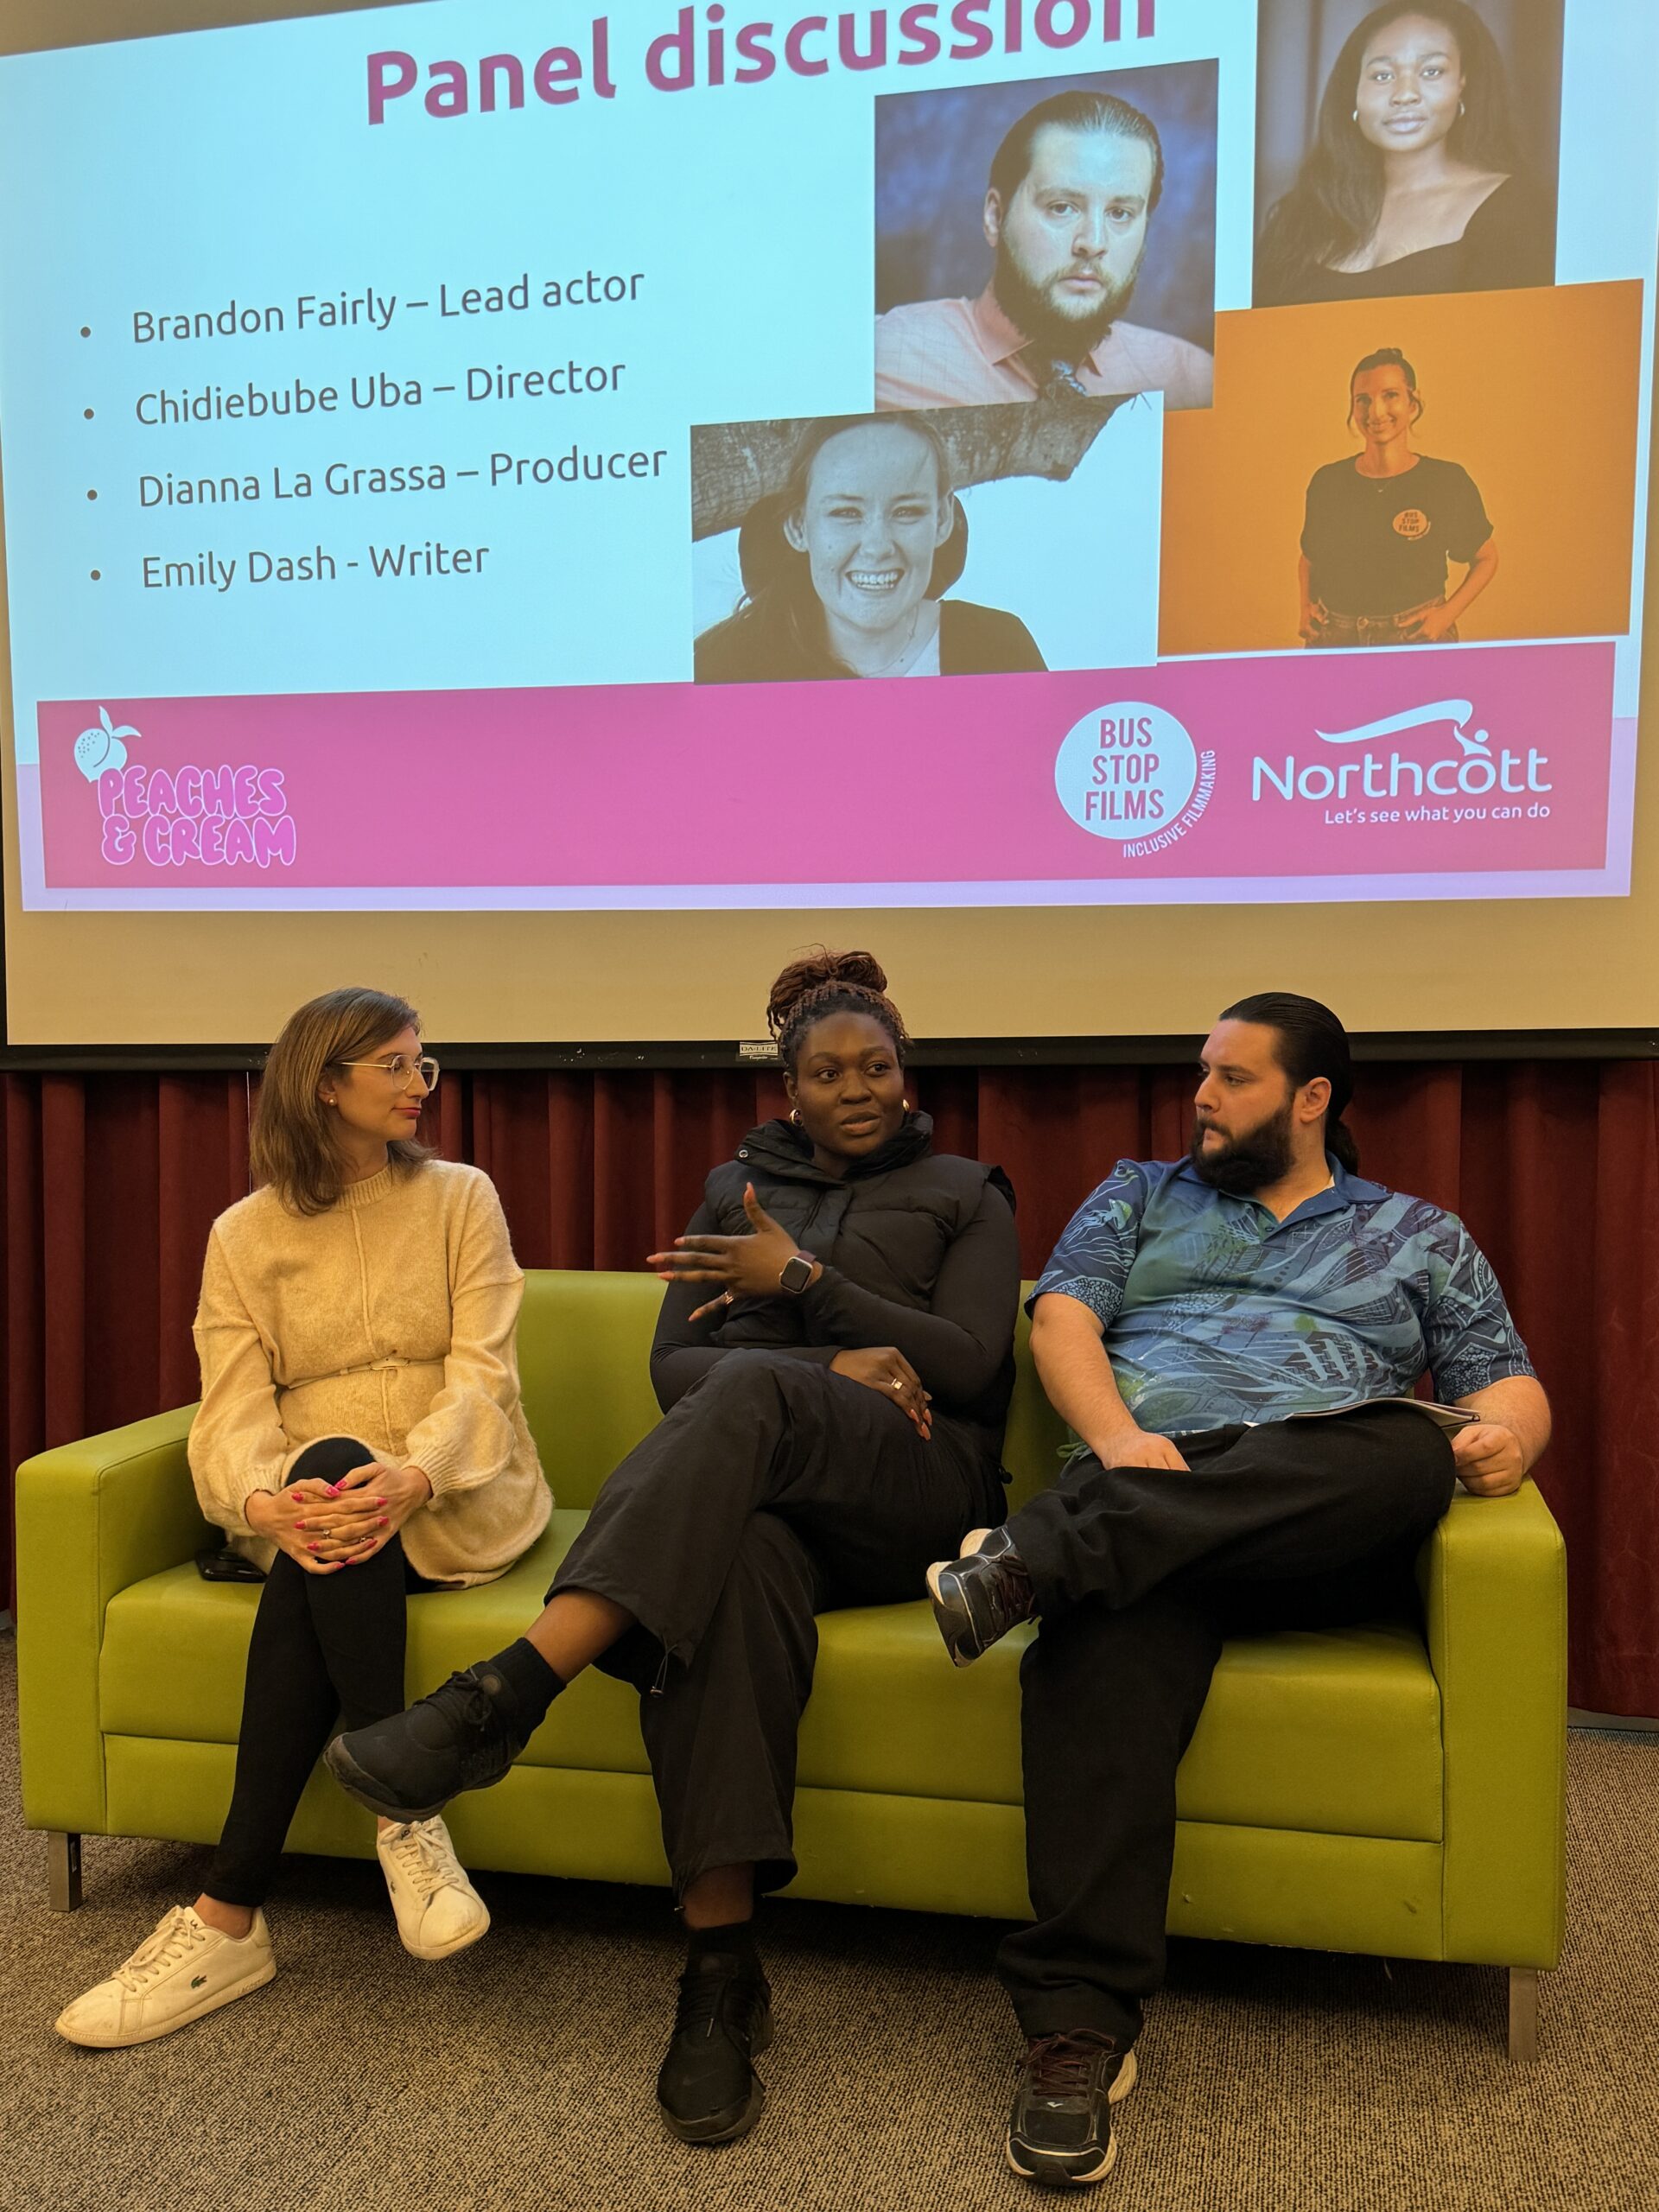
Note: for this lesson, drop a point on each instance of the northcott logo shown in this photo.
(1131, 772)
(221, 815)
(1473, 771)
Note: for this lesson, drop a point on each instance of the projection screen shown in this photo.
(1112, 503)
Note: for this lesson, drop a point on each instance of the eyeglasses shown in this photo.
(400, 1070)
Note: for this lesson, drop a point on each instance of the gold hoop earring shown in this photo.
(1462, 110)
(795, 1116)
(1356, 115)
(905, 1102)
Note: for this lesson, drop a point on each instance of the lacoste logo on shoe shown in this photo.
(199, 1981)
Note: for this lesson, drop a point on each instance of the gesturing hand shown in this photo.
(1139, 1447)
(882, 1367)
(1489, 1457)
(744, 1266)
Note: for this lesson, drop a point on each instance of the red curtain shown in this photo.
(111, 1183)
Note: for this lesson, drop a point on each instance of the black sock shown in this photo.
(527, 1674)
(736, 1940)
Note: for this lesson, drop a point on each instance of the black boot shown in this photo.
(465, 1735)
(708, 2088)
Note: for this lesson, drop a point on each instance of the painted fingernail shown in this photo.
(381, 1523)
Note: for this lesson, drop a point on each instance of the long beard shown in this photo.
(1247, 1164)
(1064, 338)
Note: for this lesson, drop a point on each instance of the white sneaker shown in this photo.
(439, 1912)
(185, 1969)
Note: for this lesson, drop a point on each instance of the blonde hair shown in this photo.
(292, 1146)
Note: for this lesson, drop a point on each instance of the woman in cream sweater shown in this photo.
(360, 1435)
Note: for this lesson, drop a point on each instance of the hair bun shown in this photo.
(812, 971)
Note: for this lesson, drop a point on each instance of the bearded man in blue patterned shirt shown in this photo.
(1235, 1339)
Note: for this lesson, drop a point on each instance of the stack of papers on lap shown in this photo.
(1445, 1417)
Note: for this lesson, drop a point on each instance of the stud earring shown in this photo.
(905, 1102)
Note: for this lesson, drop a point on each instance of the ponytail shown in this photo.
(1339, 1143)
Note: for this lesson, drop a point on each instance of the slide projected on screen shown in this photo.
(1033, 453)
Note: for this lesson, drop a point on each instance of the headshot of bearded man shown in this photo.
(1070, 195)
(1071, 235)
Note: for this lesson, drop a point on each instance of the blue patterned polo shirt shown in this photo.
(1216, 1313)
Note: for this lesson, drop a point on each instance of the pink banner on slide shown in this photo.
(1419, 762)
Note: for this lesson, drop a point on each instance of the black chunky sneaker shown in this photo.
(1060, 2129)
(708, 2089)
(465, 1735)
(979, 1598)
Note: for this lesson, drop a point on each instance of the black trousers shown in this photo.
(773, 1490)
(326, 1648)
(1139, 1575)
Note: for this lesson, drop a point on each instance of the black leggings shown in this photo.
(325, 1647)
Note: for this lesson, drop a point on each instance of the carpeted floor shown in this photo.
(518, 2077)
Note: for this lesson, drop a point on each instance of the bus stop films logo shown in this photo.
(219, 816)
(1130, 771)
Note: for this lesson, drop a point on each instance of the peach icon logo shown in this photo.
(103, 745)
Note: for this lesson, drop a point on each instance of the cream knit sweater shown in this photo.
(390, 1319)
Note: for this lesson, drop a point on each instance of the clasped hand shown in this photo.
(744, 1266)
(1491, 1463)
(323, 1526)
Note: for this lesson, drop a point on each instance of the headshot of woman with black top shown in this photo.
(845, 569)
(1380, 528)
(833, 1360)
(1413, 183)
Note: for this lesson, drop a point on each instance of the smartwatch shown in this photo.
(796, 1274)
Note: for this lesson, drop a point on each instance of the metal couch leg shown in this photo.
(63, 1870)
(1523, 2015)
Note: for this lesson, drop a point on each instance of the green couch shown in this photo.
(1362, 1791)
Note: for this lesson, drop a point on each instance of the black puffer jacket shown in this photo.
(918, 1251)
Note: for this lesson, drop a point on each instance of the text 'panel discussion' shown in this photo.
(837, 1450)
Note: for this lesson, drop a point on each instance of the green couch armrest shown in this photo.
(93, 1518)
(1493, 1577)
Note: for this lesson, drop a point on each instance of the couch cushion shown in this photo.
(1337, 1734)
(584, 1370)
